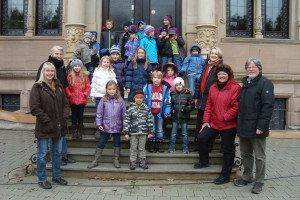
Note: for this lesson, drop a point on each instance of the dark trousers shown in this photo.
(228, 147)
(199, 121)
(104, 138)
(77, 114)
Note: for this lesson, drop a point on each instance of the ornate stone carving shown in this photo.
(73, 37)
(206, 37)
(258, 24)
(30, 23)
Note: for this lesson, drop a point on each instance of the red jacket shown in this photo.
(76, 94)
(222, 106)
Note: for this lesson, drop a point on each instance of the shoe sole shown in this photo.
(217, 183)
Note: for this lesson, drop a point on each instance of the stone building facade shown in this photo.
(204, 22)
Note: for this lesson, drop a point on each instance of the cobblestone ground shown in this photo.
(16, 147)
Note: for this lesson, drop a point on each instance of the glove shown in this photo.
(103, 51)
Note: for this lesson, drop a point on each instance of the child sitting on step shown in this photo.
(109, 119)
(137, 125)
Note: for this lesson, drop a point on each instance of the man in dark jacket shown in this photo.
(256, 102)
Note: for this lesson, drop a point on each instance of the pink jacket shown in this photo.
(170, 80)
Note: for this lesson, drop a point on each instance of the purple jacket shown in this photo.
(110, 115)
(131, 46)
(120, 70)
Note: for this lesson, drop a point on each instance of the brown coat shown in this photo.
(50, 108)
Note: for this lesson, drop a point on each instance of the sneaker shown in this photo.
(132, 165)
(200, 165)
(186, 150)
(257, 188)
(143, 163)
(171, 150)
(221, 180)
(67, 160)
(45, 185)
(241, 182)
(60, 181)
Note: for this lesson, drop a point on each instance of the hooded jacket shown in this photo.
(83, 51)
(182, 100)
(120, 70)
(151, 49)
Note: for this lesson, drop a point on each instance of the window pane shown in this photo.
(158, 9)
(239, 17)
(121, 12)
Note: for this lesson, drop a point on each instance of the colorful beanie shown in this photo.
(87, 35)
(148, 29)
(132, 29)
(76, 62)
(115, 49)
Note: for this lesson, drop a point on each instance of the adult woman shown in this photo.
(168, 25)
(220, 117)
(48, 102)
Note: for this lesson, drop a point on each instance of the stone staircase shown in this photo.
(161, 165)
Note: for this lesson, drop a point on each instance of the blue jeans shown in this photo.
(192, 80)
(90, 68)
(42, 145)
(105, 136)
(157, 128)
(185, 140)
(63, 150)
(177, 61)
(97, 99)
(163, 61)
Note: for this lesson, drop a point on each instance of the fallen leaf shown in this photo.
(20, 180)
(271, 187)
(161, 186)
(78, 183)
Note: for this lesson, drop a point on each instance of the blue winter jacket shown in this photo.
(165, 108)
(137, 78)
(193, 64)
(151, 48)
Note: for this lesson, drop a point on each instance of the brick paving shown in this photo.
(16, 147)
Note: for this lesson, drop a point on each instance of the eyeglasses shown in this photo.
(252, 67)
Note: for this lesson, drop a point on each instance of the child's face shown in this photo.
(195, 51)
(170, 71)
(125, 28)
(115, 56)
(111, 90)
(94, 38)
(105, 63)
(156, 81)
(140, 26)
(87, 40)
(151, 34)
(164, 33)
(141, 53)
(77, 68)
(109, 25)
(139, 100)
(179, 87)
(166, 22)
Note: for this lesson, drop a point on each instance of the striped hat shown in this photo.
(87, 35)
(115, 49)
(148, 29)
(132, 29)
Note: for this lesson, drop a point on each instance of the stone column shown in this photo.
(257, 20)
(298, 19)
(30, 19)
(75, 25)
(206, 28)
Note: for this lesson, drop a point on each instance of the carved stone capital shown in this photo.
(73, 38)
(206, 37)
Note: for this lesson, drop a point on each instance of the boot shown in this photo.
(74, 131)
(97, 134)
(97, 157)
(116, 158)
(132, 165)
(160, 146)
(150, 146)
(79, 131)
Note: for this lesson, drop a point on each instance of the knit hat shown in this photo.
(128, 23)
(115, 49)
(164, 29)
(138, 92)
(87, 35)
(148, 29)
(170, 64)
(132, 29)
(76, 62)
(172, 32)
(168, 18)
(178, 80)
(95, 34)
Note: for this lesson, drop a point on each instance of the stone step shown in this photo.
(155, 171)
(178, 157)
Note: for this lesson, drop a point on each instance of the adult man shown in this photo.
(256, 101)
(56, 57)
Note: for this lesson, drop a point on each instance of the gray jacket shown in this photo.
(84, 52)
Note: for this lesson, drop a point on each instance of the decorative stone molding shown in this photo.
(206, 37)
(30, 25)
(258, 27)
(222, 21)
(74, 35)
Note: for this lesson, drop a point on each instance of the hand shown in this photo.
(205, 124)
(167, 37)
(93, 99)
(128, 90)
(149, 136)
(181, 110)
(196, 101)
(98, 55)
(101, 128)
(127, 137)
(175, 36)
(70, 59)
(259, 132)
(174, 111)
(160, 36)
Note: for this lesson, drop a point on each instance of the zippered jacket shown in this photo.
(181, 101)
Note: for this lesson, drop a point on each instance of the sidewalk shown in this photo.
(16, 147)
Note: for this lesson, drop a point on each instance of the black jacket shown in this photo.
(256, 102)
(164, 47)
(203, 96)
(181, 101)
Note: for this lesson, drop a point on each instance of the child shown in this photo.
(164, 48)
(193, 66)
(132, 44)
(78, 90)
(108, 36)
(182, 104)
(149, 43)
(137, 125)
(88, 54)
(109, 119)
(157, 97)
(178, 51)
(138, 72)
(119, 67)
(170, 73)
(124, 38)
(141, 31)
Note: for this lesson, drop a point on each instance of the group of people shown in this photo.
(223, 106)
